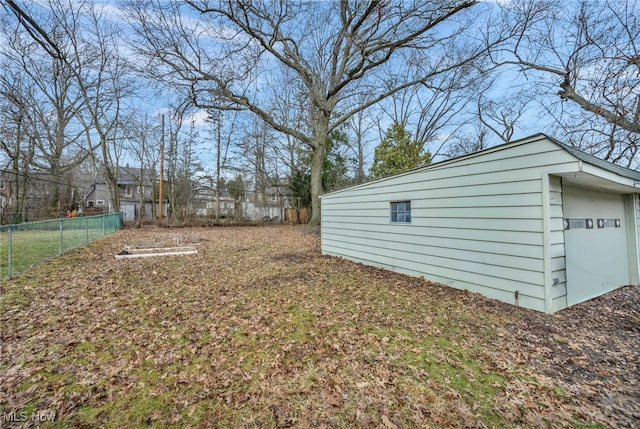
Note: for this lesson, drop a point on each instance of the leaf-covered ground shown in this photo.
(259, 330)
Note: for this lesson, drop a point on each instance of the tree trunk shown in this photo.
(320, 141)
(360, 173)
(316, 173)
(22, 189)
(53, 197)
(110, 174)
(140, 197)
(218, 148)
(112, 182)
(154, 192)
(316, 184)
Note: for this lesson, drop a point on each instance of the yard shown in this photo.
(259, 330)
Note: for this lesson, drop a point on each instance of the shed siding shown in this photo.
(635, 201)
(637, 204)
(476, 223)
(636, 198)
(558, 262)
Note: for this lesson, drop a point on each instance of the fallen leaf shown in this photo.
(387, 423)
(364, 419)
(331, 399)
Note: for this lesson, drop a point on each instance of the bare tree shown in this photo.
(178, 160)
(361, 139)
(287, 93)
(104, 80)
(182, 166)
(142, 145)
(606, 141)
(51, 107)
(588, 56)
(333, 49)
(59, 140)
(435, 109)
(224, 135)
(17, 141)
(501, 115)
(263, 158)
(89, 77)
(466, 143)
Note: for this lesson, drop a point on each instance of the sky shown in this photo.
(154, 102)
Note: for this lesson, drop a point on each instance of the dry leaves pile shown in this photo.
(260, 330)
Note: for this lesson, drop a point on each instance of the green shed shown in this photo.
(533, 222)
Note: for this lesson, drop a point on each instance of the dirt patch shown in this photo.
(593, 348)
(293, 257)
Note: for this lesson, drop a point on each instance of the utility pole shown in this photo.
(215, 118)
(160, 205)
(218, 168)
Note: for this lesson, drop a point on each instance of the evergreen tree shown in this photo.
(397, 152)
(300, 186)
(236, 188)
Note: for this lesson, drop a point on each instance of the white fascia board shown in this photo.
(610, 176)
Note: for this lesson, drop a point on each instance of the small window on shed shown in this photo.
(401, 212)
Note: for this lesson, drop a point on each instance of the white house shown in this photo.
(204, 202)
(532, 222)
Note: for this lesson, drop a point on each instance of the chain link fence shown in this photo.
(27, 244)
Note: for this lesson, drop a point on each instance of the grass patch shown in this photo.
(127, 411)
(34, 243)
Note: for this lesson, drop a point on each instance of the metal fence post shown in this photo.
(9, 251)
(86, 228)
(61, 236)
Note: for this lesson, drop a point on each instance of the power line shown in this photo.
(35, 31)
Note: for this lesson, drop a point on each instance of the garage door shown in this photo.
(597, 259)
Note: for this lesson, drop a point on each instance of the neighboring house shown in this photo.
(204, 202)
(35, 199)
(533, 222)
(274, 195)
(268, 203)
(130, 186)
(262, 212)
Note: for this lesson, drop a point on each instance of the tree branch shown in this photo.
(569, 93)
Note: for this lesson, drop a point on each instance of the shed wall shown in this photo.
(476, 223)
(558, 260)
(635, 250)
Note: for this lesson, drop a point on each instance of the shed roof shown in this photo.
(605, 165)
